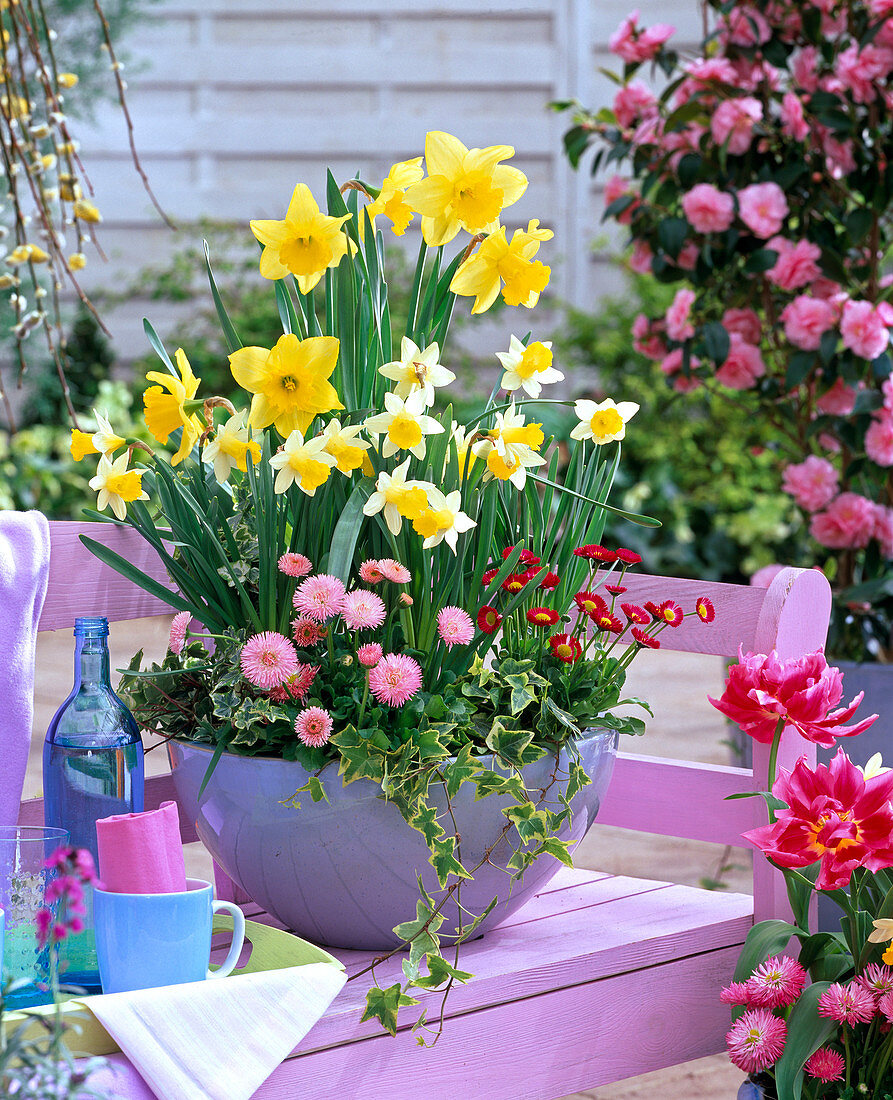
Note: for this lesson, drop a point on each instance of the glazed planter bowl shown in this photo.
(344, 872)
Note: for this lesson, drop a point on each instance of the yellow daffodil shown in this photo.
(105, 439)
(417, 371)
(404, 425)
(528, 368)
(166, 411)
(305, 464)
(398, 498)
(465, 188)
(460, 440)
(290, 382)
(499, 262)
(81, 445)
(443, 520)
(231, 447)
(305, 243)
(117, 485)
(391, 199)
(510, 447)
(603, 422)
(342, 444)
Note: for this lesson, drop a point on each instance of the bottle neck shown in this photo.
(91, 661)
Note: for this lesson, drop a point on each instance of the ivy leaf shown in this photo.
(490, 782)
(426, 919)
(530, 822)
(314, 788)
(558, 848)
(425, 821)
(382, 1005)
(440, 972)
(445, 863)
(462, 768)
(577, 780)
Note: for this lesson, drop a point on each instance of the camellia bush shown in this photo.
(754, 175)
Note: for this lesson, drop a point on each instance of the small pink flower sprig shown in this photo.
(64, 913)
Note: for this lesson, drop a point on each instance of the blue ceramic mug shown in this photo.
(147, 940)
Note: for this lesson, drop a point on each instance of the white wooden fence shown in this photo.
(236, 100)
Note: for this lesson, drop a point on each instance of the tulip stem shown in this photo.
(773, 759)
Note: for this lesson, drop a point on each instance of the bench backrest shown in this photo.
(648, 794)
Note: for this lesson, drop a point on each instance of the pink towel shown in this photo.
(24, 569)
(142, 853)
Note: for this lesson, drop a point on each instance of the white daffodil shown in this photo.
(873, 767)
(510, 447)
(344, 446)
(117, 485)
(443, 520)
(403, 424)
(417, 371)
(398, 498)
(106, 440)
(603, 422)
(231, 447)
(464, 453)
(883, 930)
(528, 368)
(305, 464)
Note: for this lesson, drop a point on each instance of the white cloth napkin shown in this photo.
(217, 1040)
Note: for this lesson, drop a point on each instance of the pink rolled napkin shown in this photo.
(142, 853)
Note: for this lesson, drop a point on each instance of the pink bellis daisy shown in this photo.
(319, 598)
(776, 983)
(297, 686)
(268, 660)
(178, 632)
(370, 572)
(454, 626)
(735, 993)
(825, 1065)
(395, 572)
(307, 632)
(756, 1040)
(877, 979)
(395, 679)
(295, 565)
(313, 727)
(369, 655)
(362, 610)
(848, 1004)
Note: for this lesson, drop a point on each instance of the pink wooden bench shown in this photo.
(599, 977)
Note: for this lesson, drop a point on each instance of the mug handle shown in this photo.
(226, 967)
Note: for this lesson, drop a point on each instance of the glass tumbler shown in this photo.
(23, 880)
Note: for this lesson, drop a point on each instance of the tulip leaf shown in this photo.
(767, 938)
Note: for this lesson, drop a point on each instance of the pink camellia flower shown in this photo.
(765, 576)
(838, 401)
(640, 260)
(314, 727)
(648, 337)
(745, 322)
(394, 572)
(369, 654)
(454, 626)
(688, 256)
(883, 529)
(860, 71)
(395, 679)
(805, 68)
(848, 522)
(615, 188)
(836, 816)
(763, 209)
(806, 320)
(776, 983)
(848, 1004)
(679, 326)
(295, 565)
(179, 626)
(296, 686)
(268, 660)
(370, 572)
(796, 264)
(319, 598)
(634, 101)
(733, 122)
(743, 365)
(813, 483)
(708, 209)
(825, 1065)
(362, 610)
(756, 1040)
(761, 689)
(840, 159)
(671, 365)
(863, 330)
(879, 440)
(793, 120)
(634, 44)
(746, 26)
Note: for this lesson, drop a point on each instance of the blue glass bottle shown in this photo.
(92, 768)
